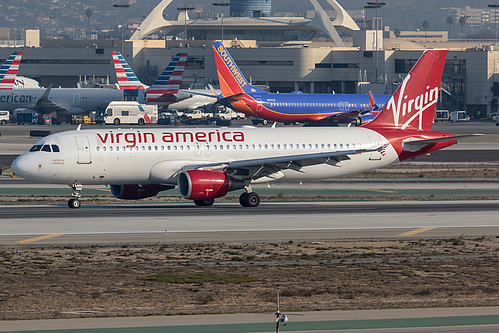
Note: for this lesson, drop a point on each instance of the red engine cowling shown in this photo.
(205, 184)
(134, 191)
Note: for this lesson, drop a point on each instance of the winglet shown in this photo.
(372, 102)
(79, 127)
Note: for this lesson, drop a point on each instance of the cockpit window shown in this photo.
(36, 148)
(46, 148)
(55, 148)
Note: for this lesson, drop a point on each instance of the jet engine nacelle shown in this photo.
(134, 191)
(205, 184)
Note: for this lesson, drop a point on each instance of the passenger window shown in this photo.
(46, 148)
(55, 148)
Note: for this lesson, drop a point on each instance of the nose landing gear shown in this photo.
(75, 201)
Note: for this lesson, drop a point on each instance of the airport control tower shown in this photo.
(250, 8)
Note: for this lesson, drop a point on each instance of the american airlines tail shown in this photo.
(413, 105)
(232, 81)
(125, 75)
(168, 83)
(8, 70)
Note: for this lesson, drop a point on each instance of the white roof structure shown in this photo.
(292, 26)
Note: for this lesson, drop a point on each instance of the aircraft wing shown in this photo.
(253, 169)
(45, 105)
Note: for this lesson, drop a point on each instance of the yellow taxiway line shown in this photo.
(30, 240)
(416, 231)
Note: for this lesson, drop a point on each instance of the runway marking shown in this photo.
(378, 191)
(416, 231)
(30, 240)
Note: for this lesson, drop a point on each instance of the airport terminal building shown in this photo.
(313, 54)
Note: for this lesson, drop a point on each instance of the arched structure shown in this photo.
(279, 28)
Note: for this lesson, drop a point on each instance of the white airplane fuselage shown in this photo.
(75, 100)
(155, 156)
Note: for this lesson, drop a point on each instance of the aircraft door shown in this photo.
(76, 99)
(83, 149)
(375, 143)
(258, 104)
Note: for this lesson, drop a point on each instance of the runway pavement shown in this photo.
(139, 224)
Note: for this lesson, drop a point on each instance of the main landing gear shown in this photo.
(249, 199)
(75, 201)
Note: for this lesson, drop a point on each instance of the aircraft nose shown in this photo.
(21, 166)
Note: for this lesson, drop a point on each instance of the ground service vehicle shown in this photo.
(4, 117)
(229, 114)
(459, 116)
(441, 115)
(118, 113)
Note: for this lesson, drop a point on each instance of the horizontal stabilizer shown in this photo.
(413, 144)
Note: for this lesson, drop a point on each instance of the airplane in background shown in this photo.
(9, 69)
(61, 103)
(165, 91)
(25, 82)
(327, 109)
(207, 163)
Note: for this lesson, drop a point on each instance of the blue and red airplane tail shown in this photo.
(232, 80)
(124, 73)
(168, 83)
(9, 69)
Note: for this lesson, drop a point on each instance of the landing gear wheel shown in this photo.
(250, 199)
(204, 203)
(74, 203)
(265, 122)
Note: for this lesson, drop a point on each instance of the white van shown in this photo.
(118, 113)
(4, 117)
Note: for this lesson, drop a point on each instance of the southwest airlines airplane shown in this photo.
(239, 95)
(61, 103)
(206, 164)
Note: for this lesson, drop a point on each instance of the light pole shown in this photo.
(375, 5)
(185, 9)
(495, 6)
(220, 5)
(121, 5)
